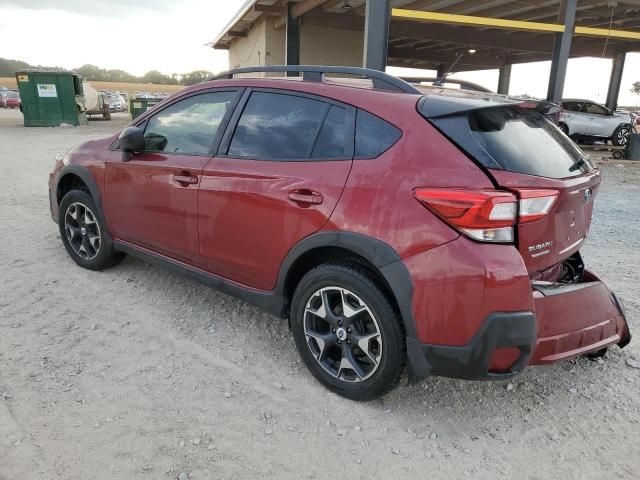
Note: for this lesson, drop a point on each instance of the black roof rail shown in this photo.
(316, 73)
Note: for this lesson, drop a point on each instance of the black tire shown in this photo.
(97, 255)
(621, 136)
(386, 372)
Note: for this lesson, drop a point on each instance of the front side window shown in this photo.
(594, 109)
(572, 106)
(276, 126)
(188, 127)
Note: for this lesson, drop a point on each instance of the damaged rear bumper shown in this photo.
(569, 320)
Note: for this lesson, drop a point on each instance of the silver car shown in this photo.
(584, 119)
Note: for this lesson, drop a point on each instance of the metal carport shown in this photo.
(439, 34)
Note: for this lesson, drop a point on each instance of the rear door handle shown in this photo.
(305, 197)
(185, 179)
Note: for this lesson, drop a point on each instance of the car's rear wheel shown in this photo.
(84, 234)
(347, 331)
(621, 136)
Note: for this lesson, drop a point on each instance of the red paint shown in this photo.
(239, 218)
(457, 285)
(152, 203)
(567, 223)
(248, 221)
(576, 322)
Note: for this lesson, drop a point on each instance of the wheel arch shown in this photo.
(77, 176)
(378, 257)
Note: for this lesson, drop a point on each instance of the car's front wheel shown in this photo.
(347, 331)
(84, 234)
(621, 136)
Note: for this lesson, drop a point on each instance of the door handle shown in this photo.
(304, 197)
(185, 180)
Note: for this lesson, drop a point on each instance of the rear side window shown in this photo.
(516, 140)
(374, 136)
(276, 126)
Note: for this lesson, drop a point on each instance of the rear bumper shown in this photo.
(577, 319)
(569, 321)
(472, 361)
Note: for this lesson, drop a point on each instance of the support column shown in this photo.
(561, 50)
(616, 79)
(376, 34)
(504, 79)
(292, 41)
(440, 71)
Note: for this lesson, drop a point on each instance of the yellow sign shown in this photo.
(23, 78)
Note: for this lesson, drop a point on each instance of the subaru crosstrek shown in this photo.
(396, 227)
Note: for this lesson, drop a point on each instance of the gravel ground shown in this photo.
(139, 373)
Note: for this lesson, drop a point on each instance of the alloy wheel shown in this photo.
(82, 231)
(342, 334)
(622, 136)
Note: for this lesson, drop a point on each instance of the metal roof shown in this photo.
(427, 45)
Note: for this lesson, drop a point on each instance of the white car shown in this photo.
(117, 103)
(584, 119)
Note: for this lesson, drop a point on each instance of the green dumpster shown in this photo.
(51, 98)
(139, 105)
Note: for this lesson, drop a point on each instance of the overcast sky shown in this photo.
(170, 36)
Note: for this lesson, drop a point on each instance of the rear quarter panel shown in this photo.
(378, 199)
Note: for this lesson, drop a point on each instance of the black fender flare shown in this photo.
(84, 174)
(391, 267)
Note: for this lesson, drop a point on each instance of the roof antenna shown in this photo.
(440, 81)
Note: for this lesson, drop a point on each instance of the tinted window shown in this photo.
(373, 135)
(189, 126)
(594, 109)
(276, 126)
(523, 141)
(331, 139)
(572, 106)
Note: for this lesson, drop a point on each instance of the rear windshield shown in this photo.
(516, 140)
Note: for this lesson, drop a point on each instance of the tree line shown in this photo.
(9, 67)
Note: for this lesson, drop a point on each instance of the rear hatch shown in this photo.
(523, 152)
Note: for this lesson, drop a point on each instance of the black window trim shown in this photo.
(350, 120)
(142, 123)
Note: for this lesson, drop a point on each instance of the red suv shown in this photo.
(395, 227)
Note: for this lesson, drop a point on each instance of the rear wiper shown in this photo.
(579, 164)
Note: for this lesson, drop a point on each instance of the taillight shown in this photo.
(535, 204)
(485, 215)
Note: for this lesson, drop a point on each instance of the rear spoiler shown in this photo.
(436, 106)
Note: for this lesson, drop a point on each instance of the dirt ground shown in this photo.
(139, 373)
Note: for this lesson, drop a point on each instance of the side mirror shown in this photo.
(131, 140)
